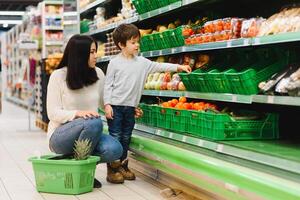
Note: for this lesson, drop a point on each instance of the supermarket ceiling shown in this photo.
(11, 12)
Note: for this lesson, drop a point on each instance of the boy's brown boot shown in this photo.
(113, 174)
(125, 171)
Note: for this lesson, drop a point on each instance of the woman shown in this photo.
(75, 92)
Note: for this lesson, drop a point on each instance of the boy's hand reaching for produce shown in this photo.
(138, 113)
(184, 68)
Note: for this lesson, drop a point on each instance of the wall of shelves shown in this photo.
(277, 159)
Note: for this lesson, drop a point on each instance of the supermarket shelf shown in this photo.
(159, 11)
(280, 100)
(17, 101)
(54, 43)
(54, 2)
(104, 59)
(208, 96)
(187, 2)
(54, 16)
(54, 28)
(236, 98)
(112, 26)
(278, 38)
(91, 5)
(242, 42)
(257, 155)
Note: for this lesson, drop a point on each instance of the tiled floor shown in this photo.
(17, 144)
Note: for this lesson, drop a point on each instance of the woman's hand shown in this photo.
(86, 114)
(109, 113)
(138, 112)
(185, 68)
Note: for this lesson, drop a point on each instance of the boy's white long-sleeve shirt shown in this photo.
(125, 79)
(63, 103)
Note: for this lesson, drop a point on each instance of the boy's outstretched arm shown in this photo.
(108, 88)
(163, 67)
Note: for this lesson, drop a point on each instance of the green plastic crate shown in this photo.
(179, 121)
(217, 81)
(217, 126)
(179, 36)
(162, 116)
(246, 82)
(199, 81)
(147, 116)
(66, 176)
(185, 78)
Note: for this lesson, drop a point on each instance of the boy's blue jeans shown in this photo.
(121, 126)
(62, 140)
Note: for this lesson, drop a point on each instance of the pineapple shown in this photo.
(82, 149)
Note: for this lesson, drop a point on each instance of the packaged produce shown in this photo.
(250, 27)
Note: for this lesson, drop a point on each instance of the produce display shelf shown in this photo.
(277, 38)
(91, 5)
(112, 26)
(54, 2)
(271, 153)
(242, 42)
(162, 10)
(235, 98)
(187, 2)
(226, 178)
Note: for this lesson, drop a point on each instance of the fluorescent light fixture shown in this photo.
(12, 13)
(11, 21)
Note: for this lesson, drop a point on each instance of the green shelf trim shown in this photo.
(233, 181)
(162, 10)
(277, 38)
(280, 100)
(264, 152)
(235, 98)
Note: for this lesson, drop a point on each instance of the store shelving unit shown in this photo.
(49, 27)
(228, 169)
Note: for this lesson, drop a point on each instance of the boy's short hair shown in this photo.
(125, 32)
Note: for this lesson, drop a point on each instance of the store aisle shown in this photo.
(17, 144)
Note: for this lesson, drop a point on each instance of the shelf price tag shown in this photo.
(270, 99)
(158, 132)
(183, 139)
(256, 41)
(171, 135)
(234, 98)
(220, 148)
(229, 43)
(173, 50)
(246, 42)
(200, 143)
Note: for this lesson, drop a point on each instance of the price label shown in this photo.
(256, 41)
(270, 99)
(220, 148)
(173, 50)
(200, 143)
(151, 53)
(158, 132)
(160, 52)
(229, 43)
(171, 135)
(184, 138)
(246, 42)
(234, 98)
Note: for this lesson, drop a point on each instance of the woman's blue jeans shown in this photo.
(62, 140)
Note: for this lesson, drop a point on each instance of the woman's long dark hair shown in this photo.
(75, 58)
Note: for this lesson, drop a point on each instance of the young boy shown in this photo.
(125, 79)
